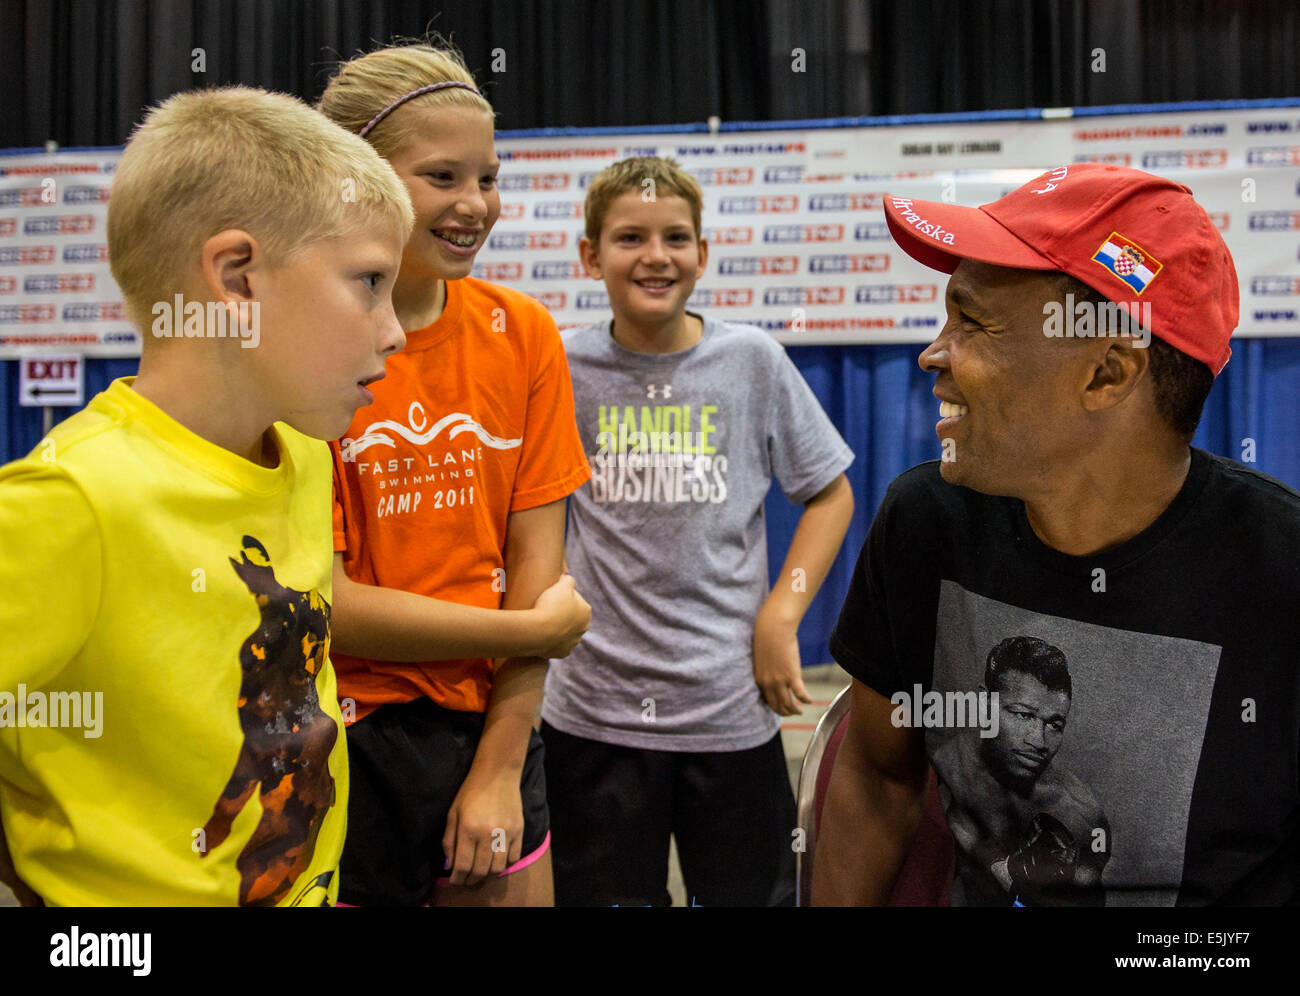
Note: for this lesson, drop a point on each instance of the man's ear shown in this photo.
(704, 258)
(1116, 373)
(227, 260)
(590, 257)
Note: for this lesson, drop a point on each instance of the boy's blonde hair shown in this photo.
(670, 180)
(366, 85)
(206, 161)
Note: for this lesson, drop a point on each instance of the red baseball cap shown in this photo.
(1136, 238)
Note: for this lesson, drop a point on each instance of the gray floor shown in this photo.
(822, 683)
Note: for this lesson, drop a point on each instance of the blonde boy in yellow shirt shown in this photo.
(169, 726)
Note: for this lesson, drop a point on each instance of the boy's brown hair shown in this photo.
(207, 161)
(667, 179)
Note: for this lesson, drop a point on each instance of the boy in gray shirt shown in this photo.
(666, 719)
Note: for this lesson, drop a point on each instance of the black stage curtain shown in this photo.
(80, 72)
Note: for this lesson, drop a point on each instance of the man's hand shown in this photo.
(777, 666)
(485, 828)
(567, 616)
(10, 877)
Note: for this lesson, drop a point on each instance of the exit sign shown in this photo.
(53, 381)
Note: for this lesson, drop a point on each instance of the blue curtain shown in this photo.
(881, 402)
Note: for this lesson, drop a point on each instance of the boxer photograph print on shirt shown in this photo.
(1073, 789)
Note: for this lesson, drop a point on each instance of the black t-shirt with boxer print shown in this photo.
(1143, 747)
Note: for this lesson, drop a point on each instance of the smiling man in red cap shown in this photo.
(1088, 313)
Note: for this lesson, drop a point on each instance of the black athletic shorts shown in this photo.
(613, 809)
(405, 765)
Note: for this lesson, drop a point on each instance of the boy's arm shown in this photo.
(816, 542)
(9, 877)
(392, 625)
(50, 562)
(489, 802)
(874, 803)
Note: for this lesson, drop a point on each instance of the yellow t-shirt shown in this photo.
(169, 724)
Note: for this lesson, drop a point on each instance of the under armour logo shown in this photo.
(654, 392)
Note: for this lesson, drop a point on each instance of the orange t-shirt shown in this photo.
(473, 421)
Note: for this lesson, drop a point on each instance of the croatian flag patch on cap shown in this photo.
(1128, 261)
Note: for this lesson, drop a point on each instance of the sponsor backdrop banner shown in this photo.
(56, 294)
(793, 215)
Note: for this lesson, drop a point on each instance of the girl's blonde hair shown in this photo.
(366, 85)
(206, 161)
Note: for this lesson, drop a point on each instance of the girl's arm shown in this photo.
(392, 625)
(488, 806)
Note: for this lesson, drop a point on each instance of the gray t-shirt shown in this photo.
(667, 541)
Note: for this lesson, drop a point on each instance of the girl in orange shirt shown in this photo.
(449, 507)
